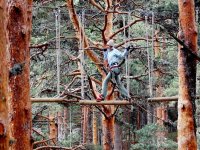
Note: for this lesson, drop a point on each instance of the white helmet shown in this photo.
(110, 43)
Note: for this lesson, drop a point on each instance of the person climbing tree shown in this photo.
(112, 58)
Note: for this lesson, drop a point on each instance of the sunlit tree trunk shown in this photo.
(4, 96)
(19, 29)
(53, 129)
(85, 114)
(108, 124)
(94, 126)
(187, 77)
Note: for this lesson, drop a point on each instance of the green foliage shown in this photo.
(147, 139)
(172, 88)
(93, 147)
(73, 138)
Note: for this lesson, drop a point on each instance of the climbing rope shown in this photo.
(148, 57)
(70, 125)
(127, 71)
(152, 51)
(58, 50)
(128, 59)
(82, 24)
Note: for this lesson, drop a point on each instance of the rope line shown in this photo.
(70, 125)
(82, 22)
(127, 61)
(152, 53)
(148, 56)
(58, 50)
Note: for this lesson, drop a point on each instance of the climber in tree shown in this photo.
(112, 57)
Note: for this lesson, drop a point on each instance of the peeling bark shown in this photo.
(19, 29)
(85, 112)
(187, 77)
(94, 126)
(53, 129)
(4, 95)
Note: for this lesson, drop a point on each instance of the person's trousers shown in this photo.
(114, 73)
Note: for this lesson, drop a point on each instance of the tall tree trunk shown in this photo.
(60, 124)
(160, 110)
(108, 131)
(107, 123)
(94, 126)
(138, 118)
(187, 77)
(118, 137)
(158, 75)
(19, 29)
(53, 129)
(85, 114)
(4, 124)
(66, 116)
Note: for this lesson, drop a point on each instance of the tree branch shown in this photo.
(93, 2)
(125, 27)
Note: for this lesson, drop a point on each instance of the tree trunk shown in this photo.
(94, 126)
(66, 116)
(60, 124)
(19, 29)
(107, 123)
(138, 118)
(4, 95)
(53, 129)
(187, 77)
(160, 112)
(118, 137)
(85, 114)
(108, 131)
(158, 75)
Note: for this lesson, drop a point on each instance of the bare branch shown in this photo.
(94, 3)
(80, 33)
(125, 27)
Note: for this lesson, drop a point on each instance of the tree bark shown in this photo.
(118, 137)
(66, 116)
(187, 77)
(53, 129)
(85, 113)
(94, 126)
(107, 123)
(4, 95)
(158, 75)
(19, 29)
(60, 124)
